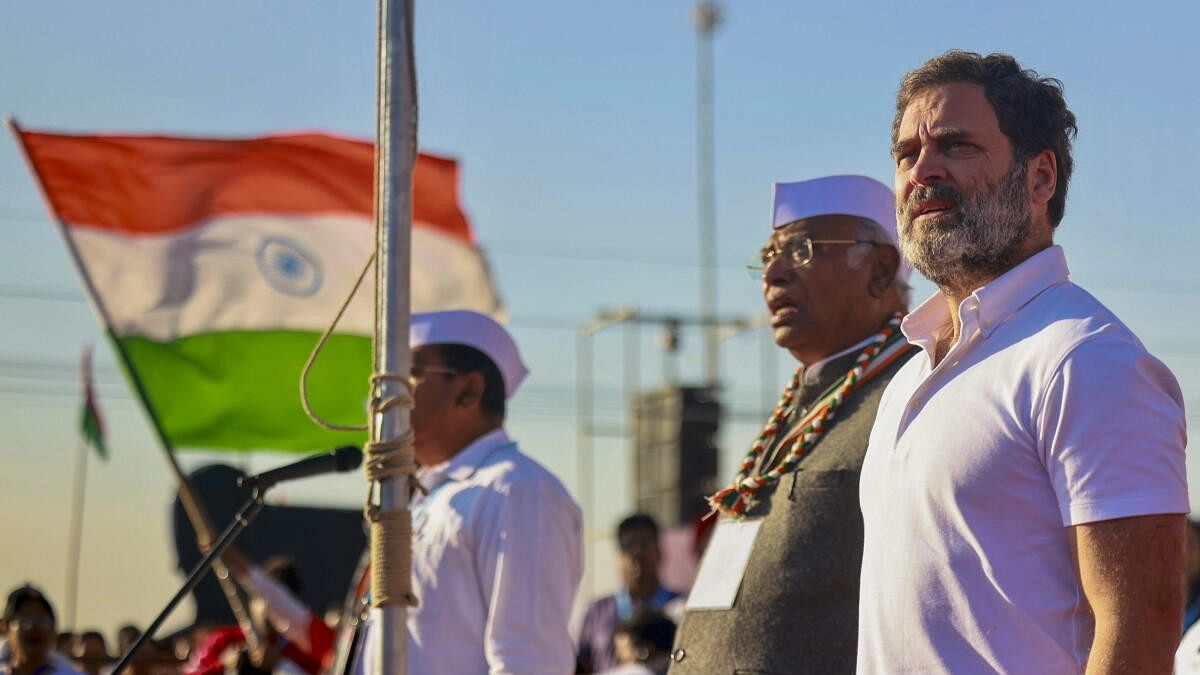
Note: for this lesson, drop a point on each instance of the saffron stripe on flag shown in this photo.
(141, 185)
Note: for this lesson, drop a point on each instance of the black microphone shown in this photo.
(345, 458)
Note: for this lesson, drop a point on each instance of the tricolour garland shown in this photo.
(885, 347)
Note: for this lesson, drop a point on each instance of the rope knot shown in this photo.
(391, 529)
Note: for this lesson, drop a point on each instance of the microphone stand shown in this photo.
(240, 522)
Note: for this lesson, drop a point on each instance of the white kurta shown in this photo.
(497, 559)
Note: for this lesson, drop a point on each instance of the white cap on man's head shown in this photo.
(847, 195)
(480, 331)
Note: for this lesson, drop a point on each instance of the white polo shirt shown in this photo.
(1047, 413)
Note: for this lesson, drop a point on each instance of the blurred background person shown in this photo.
(643, 644)
(154, 658)
(29, 630)
(89, 652)
(64, 642)
(126, 636)
(639, 557)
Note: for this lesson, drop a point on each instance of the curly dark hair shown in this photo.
(1030, 108)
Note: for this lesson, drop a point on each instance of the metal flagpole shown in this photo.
(76, 534)
(395, 158)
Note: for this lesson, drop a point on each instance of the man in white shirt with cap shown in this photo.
(835, 286)
(496, 538)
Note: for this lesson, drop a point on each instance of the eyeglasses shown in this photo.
(417, 374)
(799, 251)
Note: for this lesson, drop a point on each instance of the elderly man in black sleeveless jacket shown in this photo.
(790, 529)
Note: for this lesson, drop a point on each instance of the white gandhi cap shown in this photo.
(847, 195)
(461, 327)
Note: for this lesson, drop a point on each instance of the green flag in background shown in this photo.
(89, 422)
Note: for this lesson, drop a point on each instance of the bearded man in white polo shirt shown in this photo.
(1024, 490)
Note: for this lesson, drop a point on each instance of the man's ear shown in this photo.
(472, 390)
(1043, 177)
(884, 265)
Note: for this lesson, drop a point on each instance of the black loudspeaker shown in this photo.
(675, 452)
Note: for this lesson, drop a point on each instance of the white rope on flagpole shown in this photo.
(316, 351)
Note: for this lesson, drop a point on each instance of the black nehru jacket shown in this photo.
(797, 609)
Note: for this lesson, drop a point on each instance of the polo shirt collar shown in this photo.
(463, 465)
(990, 305)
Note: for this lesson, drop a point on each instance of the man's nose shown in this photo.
(928, 168)
(778, 271)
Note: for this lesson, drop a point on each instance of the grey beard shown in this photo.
(981, 244)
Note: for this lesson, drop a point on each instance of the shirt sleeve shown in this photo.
(528, 553)
(1113, 434)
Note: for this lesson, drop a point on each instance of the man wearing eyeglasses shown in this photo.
(835, 286)
(496, 538)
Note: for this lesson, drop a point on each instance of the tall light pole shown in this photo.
(585, 417)
(707, 17)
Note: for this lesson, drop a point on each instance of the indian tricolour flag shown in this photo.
(216, 264)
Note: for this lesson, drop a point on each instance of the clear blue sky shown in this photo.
(575, 126)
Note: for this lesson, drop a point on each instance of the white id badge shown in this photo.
(724, 564)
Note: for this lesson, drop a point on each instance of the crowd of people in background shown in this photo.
(32, 643)
(628, 632)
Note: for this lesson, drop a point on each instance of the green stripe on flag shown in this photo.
(240, 390)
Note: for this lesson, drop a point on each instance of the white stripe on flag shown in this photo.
(266, 273)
